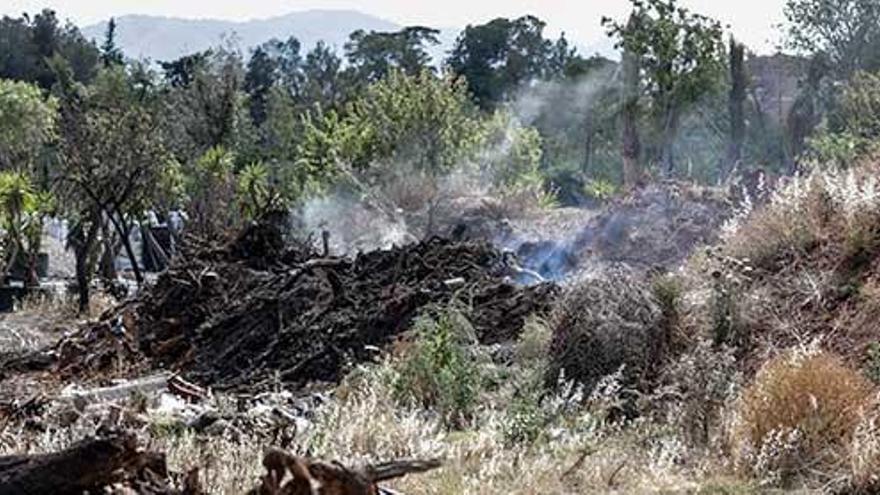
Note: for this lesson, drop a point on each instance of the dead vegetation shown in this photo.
(603, 324)
(252, 314)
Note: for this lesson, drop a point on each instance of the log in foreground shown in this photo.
(310, 477)
(109, 461)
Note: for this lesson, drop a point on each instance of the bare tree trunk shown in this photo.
(82, 241)
(736, 107)
(123, 230)
(589, 142)
(667, 145)
(107, 262)
(630, 145)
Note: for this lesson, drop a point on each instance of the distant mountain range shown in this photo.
(166, 38)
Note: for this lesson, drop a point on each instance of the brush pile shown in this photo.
(257, 312)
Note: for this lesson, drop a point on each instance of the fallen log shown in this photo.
(93, 465)
(311, 477)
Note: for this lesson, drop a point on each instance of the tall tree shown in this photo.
(259, 80)
(736, 105)
(110, 53)
(274, 63)
(498, 57)
(630, 143)
(373, 55)
(680, 55)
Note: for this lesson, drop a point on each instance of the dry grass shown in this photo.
(798, 418)
(582, 453)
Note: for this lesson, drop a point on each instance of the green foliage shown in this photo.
(512, 152)
(856, 125)
(256, 195)
(22, 211)
(860, 106)
(210, 187)
(847, 31)
(28, 43)
(600, 189)
(27, 123)
(526, 418)
(840, 150)
(499, 57)
(439, 371)
(423, 121)
(680, 55)
(374, 55)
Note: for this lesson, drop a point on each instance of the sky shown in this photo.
(752, 21)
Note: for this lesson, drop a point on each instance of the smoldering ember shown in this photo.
(321, 252)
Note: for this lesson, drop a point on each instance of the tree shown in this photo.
(112, 151)
(110, 53)
(630, 143)
(182, 72)
(680, 61)
(324, 81)
(27, 44)
(210, 110)
(424, 121)
(258, 82)
(373, 55)
(847, 31)
(274, 63)
(27, 123)
(498, 57)
(736, 106)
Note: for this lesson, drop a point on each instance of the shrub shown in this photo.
(604, 323)
(534, 341)
(799, 415)
(438, 371)
(697, 388)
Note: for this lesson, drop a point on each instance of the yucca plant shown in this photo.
(22, 211)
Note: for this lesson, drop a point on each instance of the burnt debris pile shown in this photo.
(257, 311)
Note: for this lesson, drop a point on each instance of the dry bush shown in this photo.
(797, 419)
(864, 454)
(696, 390)
(603, 323)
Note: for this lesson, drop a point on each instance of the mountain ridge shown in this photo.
(161, 38)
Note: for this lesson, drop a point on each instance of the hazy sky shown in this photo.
(751, 20)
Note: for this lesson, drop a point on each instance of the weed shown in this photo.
(439, 371)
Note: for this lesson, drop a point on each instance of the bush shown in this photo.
(604, 323)
(438, 371)
(700, 384)
(799, 415)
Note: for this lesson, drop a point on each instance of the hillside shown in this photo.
(165, 38)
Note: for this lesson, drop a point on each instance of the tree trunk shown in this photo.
(736, 108)
(122, 229)
(107, 263)
(630, 146)
(589, 142)
(668, 133)
(82, 242)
